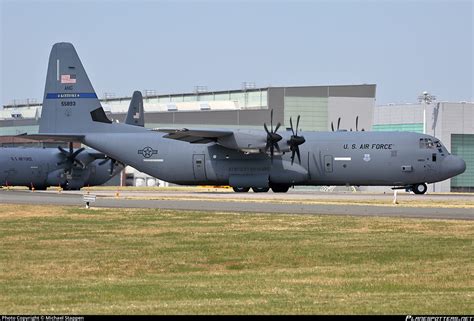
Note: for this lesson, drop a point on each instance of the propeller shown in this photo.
(71, 158)
(272, 137)
(113, 163)
(338, 124)
(295, 141)
(357, 124)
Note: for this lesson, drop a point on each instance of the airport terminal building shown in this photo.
(249, 108)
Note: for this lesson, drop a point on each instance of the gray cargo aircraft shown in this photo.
(241, 158)
(71, 169)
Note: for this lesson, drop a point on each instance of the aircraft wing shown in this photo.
(194, 136)
(244, 140)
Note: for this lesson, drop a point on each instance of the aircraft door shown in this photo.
(36, 171)
(328, 163)
(199, 167)
(38, 176)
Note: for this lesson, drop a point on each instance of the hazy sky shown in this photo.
(404, 47)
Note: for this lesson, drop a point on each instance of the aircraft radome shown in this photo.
(241, 158)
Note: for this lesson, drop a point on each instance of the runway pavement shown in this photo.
(295, 202)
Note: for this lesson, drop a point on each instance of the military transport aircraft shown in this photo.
(71, 169)
(241, 158)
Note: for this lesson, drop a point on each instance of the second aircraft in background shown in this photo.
(72, 169)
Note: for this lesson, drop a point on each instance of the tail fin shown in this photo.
(70, 104)
(135, 114)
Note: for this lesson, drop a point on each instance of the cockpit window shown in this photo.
(427, 143)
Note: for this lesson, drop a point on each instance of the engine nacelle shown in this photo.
(56, 178)
(244, 140)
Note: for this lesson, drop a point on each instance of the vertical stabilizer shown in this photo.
(135, 114)
(70, 104)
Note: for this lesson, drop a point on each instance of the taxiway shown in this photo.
(295, 202)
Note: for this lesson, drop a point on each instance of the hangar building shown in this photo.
(452, 123)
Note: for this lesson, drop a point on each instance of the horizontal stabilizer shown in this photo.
(55, 137)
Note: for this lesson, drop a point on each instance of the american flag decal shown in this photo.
(68, 79)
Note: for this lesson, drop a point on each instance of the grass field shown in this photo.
(65, 260)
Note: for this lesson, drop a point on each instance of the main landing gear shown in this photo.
(276, 188)
(241, 189)
(260, 189)
(280, 188)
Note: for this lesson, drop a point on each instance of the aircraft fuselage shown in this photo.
(327, 158)
(38, 168)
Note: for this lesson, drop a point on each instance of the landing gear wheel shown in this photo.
(420, 188)
(241, 189)
(38, 188)
(260, 189)
(280, 188)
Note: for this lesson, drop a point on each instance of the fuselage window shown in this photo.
(433, 157)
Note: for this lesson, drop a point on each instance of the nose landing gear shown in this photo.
(419, 188)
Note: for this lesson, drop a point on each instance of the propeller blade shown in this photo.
(276, 128)
(271, 153)
(266, 128)
(297, 124)
(111, 170)
(62, 150)
(332, 126)
(277, 147)
(71, 149)
(271, 120)
(291, 125)
(77, 152)
(298, 154)
(338, 122)
(357, 123)
(292, 156)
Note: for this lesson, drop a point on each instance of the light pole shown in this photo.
(425, 98)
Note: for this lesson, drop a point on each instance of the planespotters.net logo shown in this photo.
(438, 318)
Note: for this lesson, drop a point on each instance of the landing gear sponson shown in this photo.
(419, 189)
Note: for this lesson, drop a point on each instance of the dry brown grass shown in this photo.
(64, 260)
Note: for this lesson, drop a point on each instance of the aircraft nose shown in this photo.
(454, 165)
